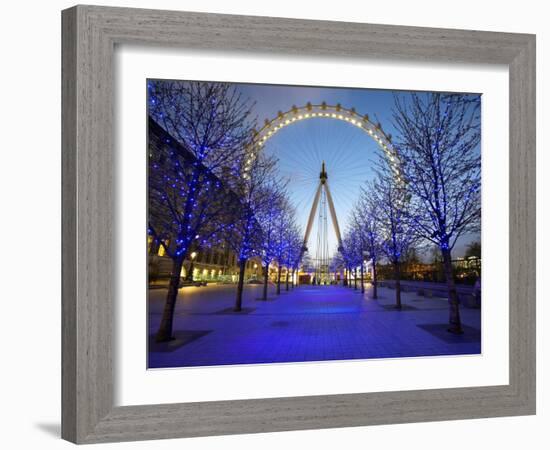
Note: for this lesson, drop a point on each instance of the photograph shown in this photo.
(303, 223)
(269, 225)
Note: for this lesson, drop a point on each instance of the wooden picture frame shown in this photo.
(89, 37)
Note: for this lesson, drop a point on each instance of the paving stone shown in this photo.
(309, 323)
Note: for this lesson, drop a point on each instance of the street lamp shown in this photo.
(193, 256)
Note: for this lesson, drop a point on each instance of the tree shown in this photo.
(211, 127)
(368, 216)
(245, 233)
(473, 249)
(268, 218)
(337, 264)
(307, 263)
(371, 226)
(293, 249)
(435, 255)
(412, 256)
(441, 165)
(298, 255)
(394, 218)
(360, 241)
(351, 251)
(283, 224)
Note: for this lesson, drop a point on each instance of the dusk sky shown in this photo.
(349, 153)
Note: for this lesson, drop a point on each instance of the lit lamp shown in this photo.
(193, 256)
(255, 269)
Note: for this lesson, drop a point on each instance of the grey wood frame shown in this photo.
(89, 36)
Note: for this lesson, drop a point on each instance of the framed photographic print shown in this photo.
(252, 212)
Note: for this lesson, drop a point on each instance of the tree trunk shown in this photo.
(374, 280)
(239, 299)
(164, 332)
(278, 280)
(292, 279)
(355, 279)
(362, 279)
(455, 325)
(189, 276)
(397, 272)
(287, 273)
(266, 279)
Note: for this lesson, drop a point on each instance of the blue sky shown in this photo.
(349, 152)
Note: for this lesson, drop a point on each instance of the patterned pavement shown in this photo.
(309, 323)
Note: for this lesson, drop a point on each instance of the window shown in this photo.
(162, 252)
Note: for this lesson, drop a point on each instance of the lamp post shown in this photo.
(193, 256)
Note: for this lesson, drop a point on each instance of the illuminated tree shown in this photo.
(389, 196)
(268, 218)
(293, 249)
(440, 156)
(368, 217)
(211, 126)
(297, 254)
(357, 227)
(351, 251)
(337, 264)
(245, 235)
(284, 223)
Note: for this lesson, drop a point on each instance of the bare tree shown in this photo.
(283, 225)
(368, 216)
(293, 249)
(357, 227)
(473, 250)
(440, 156)
(351, 251)
(337, 264)
(211, 127)
(245, 233)
(390, 196)
(297, 254)
(268, 218)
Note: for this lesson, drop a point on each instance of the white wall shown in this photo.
(30, 224)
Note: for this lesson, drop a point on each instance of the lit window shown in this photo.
(162, 251)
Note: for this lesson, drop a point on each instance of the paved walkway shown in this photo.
(309, 323)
